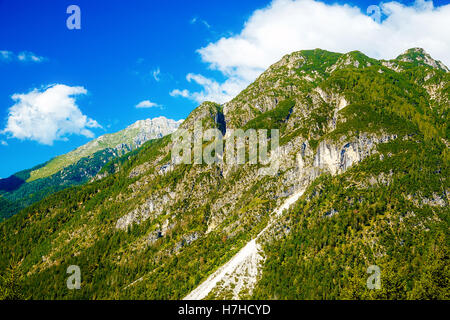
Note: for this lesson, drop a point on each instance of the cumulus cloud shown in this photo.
(147, 104)
(212, 90)
(48, 114)
(3, 143)
(290, 25)
(24, 56)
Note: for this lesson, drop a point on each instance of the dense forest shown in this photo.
(344, 224)
(16, 193)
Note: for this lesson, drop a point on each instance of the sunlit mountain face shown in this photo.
(285, 150)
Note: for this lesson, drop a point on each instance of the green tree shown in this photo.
(10, 288)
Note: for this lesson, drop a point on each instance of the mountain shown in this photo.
(78, 166)
(361, 184)
(129, 138)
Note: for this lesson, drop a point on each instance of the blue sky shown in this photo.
(131, 51)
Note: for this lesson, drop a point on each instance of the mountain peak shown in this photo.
(153, 128)
(420, 56)
(209, 113)
(158, 121)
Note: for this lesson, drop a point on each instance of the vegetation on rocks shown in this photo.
(366, 140)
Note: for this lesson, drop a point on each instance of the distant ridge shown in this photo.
(78, 166)
(129, 138)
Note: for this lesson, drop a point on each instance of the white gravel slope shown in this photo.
(243, 268)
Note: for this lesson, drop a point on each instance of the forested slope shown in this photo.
(367, 140)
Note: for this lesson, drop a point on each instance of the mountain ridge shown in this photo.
(363, 154)
(130, 137)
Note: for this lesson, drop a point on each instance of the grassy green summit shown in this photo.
(103, 142)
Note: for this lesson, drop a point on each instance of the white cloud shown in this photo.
(212, 90)
(24, 56)
(48, 114)
(147, 104)
(180, 93)
(3, 143)
(291, 25)
(6, 55)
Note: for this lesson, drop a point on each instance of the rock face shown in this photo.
(337, 159)
(153, 129)
(151, 208)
